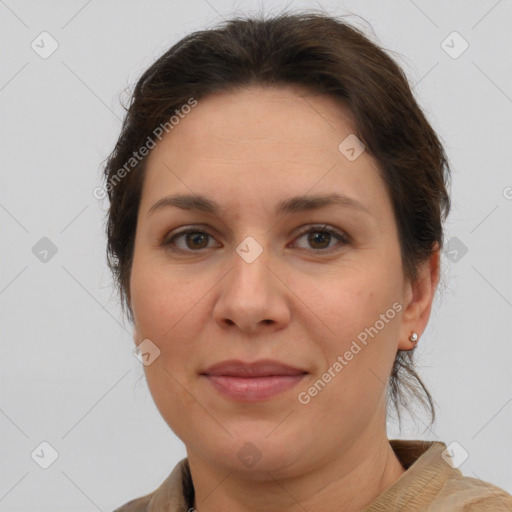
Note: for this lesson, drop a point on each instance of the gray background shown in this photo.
(68, 373)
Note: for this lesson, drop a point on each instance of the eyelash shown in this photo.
(343, 238)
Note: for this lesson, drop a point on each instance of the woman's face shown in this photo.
(317, 287)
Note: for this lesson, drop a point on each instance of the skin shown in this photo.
(248, 150)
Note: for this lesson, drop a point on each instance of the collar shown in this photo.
(425, 474)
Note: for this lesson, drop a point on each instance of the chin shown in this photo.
(254, 454)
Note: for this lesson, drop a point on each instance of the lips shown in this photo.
(261, 368)
(250, 382)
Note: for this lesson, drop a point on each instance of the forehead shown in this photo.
(260, 142)
(255, 116)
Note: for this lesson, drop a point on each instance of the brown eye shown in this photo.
(320, 239)
(196, 240)
(188, 241)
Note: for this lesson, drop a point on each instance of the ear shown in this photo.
(418, 298)
(135, 335)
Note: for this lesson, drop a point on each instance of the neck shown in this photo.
(347, 482)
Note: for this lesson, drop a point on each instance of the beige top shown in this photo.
(429, 484)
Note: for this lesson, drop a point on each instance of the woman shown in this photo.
(275, 228)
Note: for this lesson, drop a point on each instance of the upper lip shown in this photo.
(261, 368)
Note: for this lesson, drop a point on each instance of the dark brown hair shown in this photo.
(321, 54)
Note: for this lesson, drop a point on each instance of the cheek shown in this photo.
(347, 304)
(363, 320)
(168, 387)
(162, 301)
(170, 320)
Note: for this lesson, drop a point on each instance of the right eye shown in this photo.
(193, 240)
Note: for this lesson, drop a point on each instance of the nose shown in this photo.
(253, 297)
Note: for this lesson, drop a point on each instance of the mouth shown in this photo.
(252, 382)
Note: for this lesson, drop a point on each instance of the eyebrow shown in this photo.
(290, 205)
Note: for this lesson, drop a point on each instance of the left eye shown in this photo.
(320, 237)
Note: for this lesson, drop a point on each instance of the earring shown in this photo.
(414, 338)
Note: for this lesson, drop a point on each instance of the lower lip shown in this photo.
(253, 389)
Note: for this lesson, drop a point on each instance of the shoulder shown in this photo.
(432, 483)
(175, 493)
(137, 505)
(467, 494)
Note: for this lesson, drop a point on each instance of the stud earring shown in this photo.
(414, 338)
